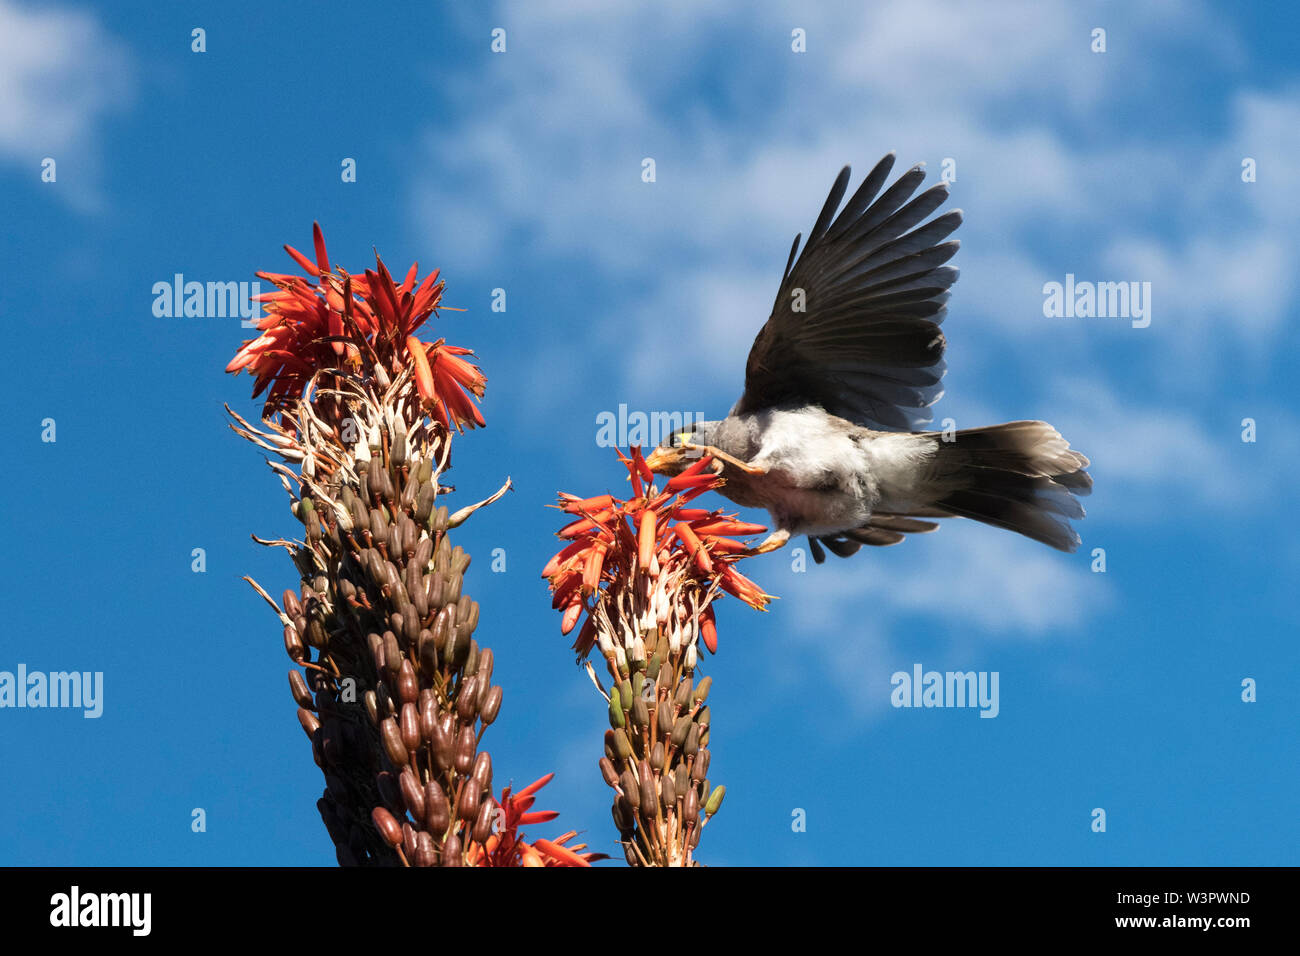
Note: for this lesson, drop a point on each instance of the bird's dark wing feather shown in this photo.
(882, 530)
(867, 345)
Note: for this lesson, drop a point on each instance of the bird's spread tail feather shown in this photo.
(1022, 476)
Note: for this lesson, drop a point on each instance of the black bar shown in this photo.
(1002, 903)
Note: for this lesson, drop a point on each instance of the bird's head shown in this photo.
(676, 453)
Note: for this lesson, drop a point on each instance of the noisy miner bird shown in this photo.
(842, 374)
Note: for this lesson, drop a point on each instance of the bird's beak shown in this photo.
(662, 458)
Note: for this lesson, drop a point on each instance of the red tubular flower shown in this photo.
(591, 571)
(699, 554)
(423, 374)
(507, 847)
(330, 320)
(612, 542)
(646, 539)
(451, 376)
(571, 614)
(709, 630)
(647, 572)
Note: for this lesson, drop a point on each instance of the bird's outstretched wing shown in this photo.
(855, 326)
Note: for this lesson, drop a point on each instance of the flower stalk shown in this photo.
(393, 690)
(643, 574)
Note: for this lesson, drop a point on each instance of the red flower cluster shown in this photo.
(653, 534)
(506, 848)
(331, 319)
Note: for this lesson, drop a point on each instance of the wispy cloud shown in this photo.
(62, 74)
(861, 618)
(1155, 462)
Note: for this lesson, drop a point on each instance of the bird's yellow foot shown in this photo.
(773, 542)
(719, 455)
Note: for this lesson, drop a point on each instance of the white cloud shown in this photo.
(1267, 129)
(1160, 463)
(1237, 287)
(62, 73)
(910, 51)
(1225, 287)
(946, 595)
(965, 574)
(723, 311)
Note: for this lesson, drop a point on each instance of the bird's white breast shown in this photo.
(824, 474)
(817, 474)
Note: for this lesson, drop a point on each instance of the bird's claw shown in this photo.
(719, 455)
(773, 542)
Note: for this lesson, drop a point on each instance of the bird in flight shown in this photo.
(844, 373)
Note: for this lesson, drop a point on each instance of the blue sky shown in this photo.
(522, 171)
